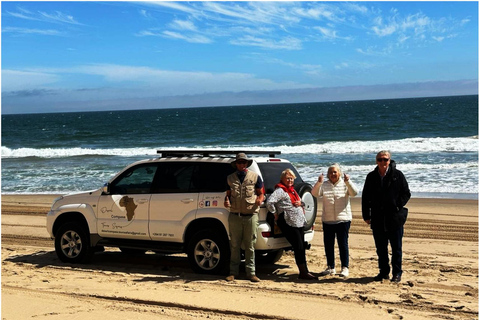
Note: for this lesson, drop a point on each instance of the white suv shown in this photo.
(171, 204)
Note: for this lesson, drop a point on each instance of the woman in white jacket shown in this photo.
(336, 215)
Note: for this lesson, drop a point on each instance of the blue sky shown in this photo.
(71, 56)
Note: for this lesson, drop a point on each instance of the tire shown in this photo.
(208, 252)
(270, 257)
(305, 192)
(72, 244)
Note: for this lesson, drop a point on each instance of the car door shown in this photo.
(174, 201)
(123, 212)
(212, 183)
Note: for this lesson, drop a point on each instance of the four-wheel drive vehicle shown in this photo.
(171, 204)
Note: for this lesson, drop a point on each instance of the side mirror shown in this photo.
(106, 188)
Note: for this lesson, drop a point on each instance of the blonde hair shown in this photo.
(287, 172)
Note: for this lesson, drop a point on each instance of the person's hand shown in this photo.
(258, 201)
(346, 177)
(367, 221)
(297, 203)
(320, 178)
(226, 203)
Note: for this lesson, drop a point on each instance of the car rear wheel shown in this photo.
(208, 252)
(72, 243)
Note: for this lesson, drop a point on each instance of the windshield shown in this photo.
(271, 173)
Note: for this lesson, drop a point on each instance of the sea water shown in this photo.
(433, 140)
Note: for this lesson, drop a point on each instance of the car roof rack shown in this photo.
(208, 153)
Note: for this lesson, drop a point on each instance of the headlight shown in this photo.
(55, 201)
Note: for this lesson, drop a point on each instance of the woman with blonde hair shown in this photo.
(287, 206)
(336, 215)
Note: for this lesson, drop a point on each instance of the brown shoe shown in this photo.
(254, 279)
(230, 278)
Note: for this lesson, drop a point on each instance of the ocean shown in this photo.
(433, 140)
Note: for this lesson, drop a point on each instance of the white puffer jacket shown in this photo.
(336, 199)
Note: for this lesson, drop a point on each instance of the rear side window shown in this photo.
(272, 171)
(212, 177)
(175, 177)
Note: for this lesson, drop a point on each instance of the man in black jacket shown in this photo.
(384, 196)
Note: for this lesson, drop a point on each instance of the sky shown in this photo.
(94, 56)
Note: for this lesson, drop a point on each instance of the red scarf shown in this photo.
(290, 191)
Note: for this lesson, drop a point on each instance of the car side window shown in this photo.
(174, 177)
(212, 177)
(135, 180)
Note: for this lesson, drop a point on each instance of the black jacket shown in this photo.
(383, 204)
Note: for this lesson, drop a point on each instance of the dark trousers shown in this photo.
(339, 230)
(296, 238)
(382, 238)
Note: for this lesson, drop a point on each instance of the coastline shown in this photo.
(43, 198)
(421, 209)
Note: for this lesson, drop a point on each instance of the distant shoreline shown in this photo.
(420, 196)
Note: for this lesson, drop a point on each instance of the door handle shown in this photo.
(187, 200)
(142, 201)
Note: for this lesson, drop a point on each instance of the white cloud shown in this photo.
(23, 15)
(13, 80)
(183, 25)
(330, 34)
(146, 81)
(177, 6)
(383, 31)
(144, 13)
(375, 51)
(319, 11)
(189, 38)
(417, 27)
(58, 16)
(43, 32)
(288, 43)
(342, 65)
(55, 17)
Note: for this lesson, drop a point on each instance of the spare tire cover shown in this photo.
(305, 192)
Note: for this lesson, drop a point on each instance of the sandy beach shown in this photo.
(440, 279)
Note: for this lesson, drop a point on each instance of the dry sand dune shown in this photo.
(440, 278)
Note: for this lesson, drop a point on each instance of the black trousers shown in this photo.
(382, 238)
(296, 237)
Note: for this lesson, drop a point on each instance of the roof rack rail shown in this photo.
(207, 153)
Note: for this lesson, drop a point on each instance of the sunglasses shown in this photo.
(382, 159)
(241, 162)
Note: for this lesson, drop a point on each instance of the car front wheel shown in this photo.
(72, 243)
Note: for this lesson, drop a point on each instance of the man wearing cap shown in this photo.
(244, 197)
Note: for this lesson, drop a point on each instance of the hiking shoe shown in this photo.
(254, 279)
(328, 271)
(344, 272)
(230, 278)
(380, 277)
